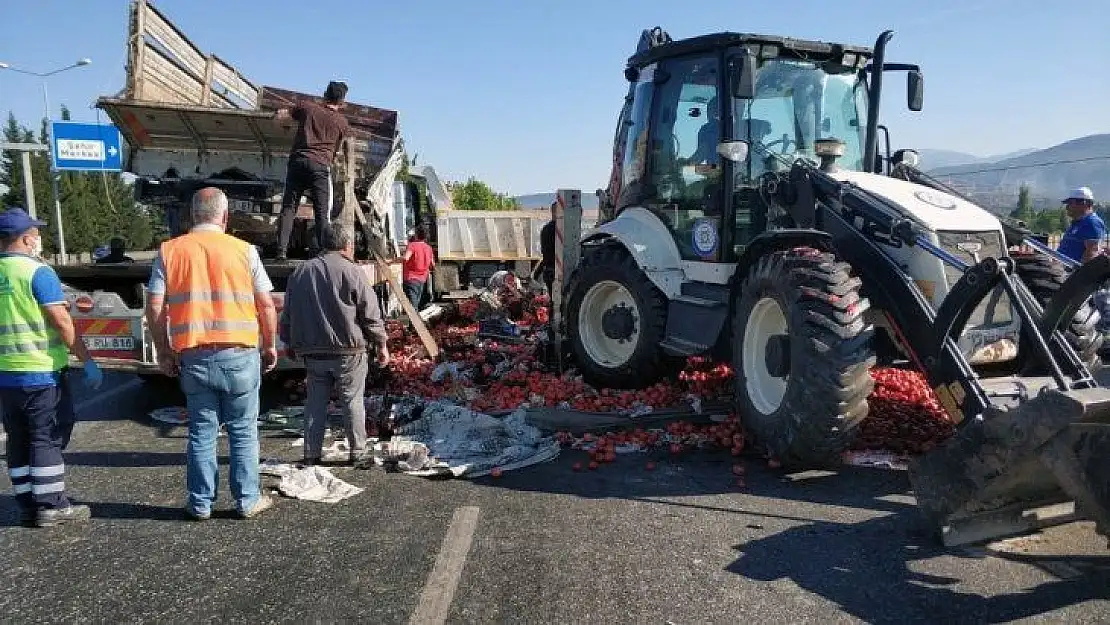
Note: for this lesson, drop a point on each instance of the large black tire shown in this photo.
(1043, 276)
(611, 267)
(828, 376)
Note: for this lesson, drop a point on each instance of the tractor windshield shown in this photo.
(797, 102)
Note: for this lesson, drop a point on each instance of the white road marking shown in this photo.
(122, 388)
(439, 589)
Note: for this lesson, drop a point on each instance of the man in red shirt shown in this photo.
(419, 262)
(320, 132)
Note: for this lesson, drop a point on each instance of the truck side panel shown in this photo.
(490, 235)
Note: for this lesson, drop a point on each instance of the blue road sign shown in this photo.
(86, 147)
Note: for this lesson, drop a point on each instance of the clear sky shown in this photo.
(524, 93)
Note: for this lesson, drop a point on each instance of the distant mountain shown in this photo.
(934, 159)
(544, 200)
(1050, 172)
(931, 159)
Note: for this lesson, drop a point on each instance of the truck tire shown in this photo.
(1043, 277)
(802, 355)
(616, 319)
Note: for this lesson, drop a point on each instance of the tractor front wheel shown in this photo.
(802, 355)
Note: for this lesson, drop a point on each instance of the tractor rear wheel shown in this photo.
(802, 355)
(1044, 276)
(616, 319)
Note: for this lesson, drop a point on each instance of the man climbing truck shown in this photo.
(805, 256)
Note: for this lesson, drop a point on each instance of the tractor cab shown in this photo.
(710, 125)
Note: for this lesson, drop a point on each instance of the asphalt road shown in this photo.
(681, 544)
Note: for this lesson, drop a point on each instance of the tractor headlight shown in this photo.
(828, 148)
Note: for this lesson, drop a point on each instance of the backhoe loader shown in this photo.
(749, 215)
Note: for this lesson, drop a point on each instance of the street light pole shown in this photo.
(54, 176)
(50, 145)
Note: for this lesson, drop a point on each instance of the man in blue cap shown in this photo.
(36, 336)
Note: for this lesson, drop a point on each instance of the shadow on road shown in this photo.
(709, 473)
(129, 511)
(866, 568)
(128, 459)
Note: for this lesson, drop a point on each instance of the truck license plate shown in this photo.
(110, 343)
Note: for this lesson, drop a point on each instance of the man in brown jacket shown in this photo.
(320, 133)
(332, 320)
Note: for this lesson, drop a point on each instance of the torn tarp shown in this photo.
(465, 443)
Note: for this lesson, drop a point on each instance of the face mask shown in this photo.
(36, 247)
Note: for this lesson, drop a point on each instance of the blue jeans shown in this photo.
(415, 292)
(221, 386)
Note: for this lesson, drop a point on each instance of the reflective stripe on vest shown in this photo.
(28, 344)
(209, 290)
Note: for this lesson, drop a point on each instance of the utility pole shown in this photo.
(25, 150)
(50, 145)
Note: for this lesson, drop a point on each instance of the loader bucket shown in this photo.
(1042, 462)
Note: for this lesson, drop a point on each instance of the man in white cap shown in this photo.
(1084, 238)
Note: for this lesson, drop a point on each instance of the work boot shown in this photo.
(28, 516)
(49, 517)
(264, 503)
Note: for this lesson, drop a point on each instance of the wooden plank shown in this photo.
(426, 337)
(164, 32)
(352, 213)
(235, 83)
(178, 86)
(136, 52)
(206, 91)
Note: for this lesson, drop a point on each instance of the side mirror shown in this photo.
(915, 90)
(743, 81)
(734, 151)
(908, 157)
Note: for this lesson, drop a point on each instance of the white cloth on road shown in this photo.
(310, 483)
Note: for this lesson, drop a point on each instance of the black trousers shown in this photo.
(39, 421)
(314, 178)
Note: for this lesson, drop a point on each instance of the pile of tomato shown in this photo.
(491, 376)
(904, 415)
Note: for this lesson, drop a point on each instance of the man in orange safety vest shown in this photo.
(208, 303)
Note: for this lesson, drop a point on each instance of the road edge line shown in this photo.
(439, 589)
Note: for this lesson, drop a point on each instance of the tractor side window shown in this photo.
(635, 147)
(845, 99)
(685, 166)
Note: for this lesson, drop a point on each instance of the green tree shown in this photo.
(475, 195)
(1024, 209)
(96, 206)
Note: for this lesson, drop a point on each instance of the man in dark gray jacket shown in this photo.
(332, 320)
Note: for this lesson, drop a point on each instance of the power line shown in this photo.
(1011, 167)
